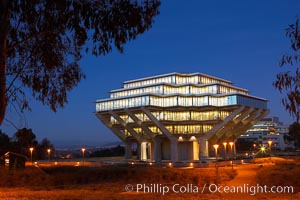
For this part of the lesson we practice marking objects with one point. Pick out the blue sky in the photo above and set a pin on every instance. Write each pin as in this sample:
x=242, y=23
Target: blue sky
x=240, y=41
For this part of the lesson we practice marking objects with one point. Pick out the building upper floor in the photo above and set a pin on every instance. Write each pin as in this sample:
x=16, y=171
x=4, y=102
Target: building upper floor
x=179, y=89
x=176, y=83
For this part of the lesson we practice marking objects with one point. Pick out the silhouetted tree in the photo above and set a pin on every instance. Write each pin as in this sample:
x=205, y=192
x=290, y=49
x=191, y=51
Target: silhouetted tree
x=42, y=42
x=288, y=83
x=4, y=142
x=24, y=139
x=42, y=147
x=294, y=131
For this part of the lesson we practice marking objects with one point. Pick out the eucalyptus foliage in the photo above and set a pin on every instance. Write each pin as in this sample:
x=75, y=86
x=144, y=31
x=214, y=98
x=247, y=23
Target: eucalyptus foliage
x=42, y=42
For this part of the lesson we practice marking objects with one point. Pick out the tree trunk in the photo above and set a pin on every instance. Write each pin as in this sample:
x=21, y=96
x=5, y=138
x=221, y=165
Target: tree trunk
x=3, y=100
x=4, y=24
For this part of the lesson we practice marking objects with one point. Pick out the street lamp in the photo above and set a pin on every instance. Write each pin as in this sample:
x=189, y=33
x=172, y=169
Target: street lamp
x=49, y=151
x=31, y=150
x=231, y=152
x=225, y=152
x=270, y=145
x=216, y=146
x=253, y=150
x=83, y=150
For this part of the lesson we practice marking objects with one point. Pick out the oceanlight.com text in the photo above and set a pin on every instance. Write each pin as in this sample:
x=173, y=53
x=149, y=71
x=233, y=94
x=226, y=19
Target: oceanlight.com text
x=206, y=188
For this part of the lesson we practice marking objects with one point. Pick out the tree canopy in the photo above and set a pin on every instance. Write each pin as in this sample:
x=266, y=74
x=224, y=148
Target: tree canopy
x=288, y=83
x=294, y=131
x=42, y=41
x=4, y=142
x=24, y=139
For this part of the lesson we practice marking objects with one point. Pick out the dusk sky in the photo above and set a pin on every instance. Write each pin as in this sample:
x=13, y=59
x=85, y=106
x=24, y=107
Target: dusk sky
x=239, y=41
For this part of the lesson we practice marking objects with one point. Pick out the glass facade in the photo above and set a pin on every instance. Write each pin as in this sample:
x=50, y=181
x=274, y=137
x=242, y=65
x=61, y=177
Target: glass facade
x=176, y=79
x=174, y=89
x=187, y=90
x=175, y=129
x=178, y=98
x=185, y=101
x=177, y=116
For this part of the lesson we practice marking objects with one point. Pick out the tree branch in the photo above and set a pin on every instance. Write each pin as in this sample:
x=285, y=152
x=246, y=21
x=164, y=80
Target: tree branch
x=11, y=123
x=25, y=40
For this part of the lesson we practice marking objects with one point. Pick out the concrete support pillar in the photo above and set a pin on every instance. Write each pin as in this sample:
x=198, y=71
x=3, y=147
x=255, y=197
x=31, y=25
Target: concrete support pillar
x=138, y=151
x=174, y=151
x=195, y=150
x=225, y=150
x=151, y=151
x=128, y=150
x=144, y=151
x=234, y=149
x=203, y=149
x=157, y=150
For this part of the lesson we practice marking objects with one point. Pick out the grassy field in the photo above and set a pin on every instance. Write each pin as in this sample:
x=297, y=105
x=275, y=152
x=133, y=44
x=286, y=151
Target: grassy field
x=109, y=182
x=282, y=172
x=68, y=182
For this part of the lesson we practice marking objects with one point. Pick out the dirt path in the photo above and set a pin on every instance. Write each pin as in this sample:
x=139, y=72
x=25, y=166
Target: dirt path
x=246, y=177
x=246, y=174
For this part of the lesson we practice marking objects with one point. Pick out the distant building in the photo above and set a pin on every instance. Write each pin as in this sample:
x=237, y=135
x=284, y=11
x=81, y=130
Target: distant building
x=269, y=129
x=179, y=116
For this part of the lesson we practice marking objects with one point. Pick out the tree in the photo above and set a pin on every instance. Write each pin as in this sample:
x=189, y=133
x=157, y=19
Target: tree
x=4, y=142
x=24, y=139
x=42, y=148
x=42, y=41
x=294, y=131
x=288, y=83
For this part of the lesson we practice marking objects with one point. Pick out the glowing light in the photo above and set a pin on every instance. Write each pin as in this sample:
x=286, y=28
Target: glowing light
x=83, y=150
x=225, y=151
x=270, y=143
x=49, y=151
x=216, y=146
x=31, y=150
x=193, y=138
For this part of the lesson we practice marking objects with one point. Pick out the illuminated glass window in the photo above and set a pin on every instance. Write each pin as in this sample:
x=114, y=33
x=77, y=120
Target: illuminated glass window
x=185, y=101
x=139, y=131
x=170, y=101
x=200, y=101
x=155, y=130
x=191, y=129
x=142, y=117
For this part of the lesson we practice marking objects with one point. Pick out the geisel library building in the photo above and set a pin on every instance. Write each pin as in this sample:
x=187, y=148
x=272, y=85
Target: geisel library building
x=179, y=116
